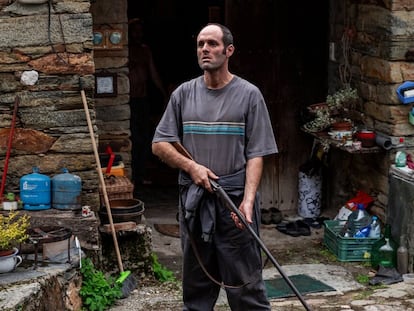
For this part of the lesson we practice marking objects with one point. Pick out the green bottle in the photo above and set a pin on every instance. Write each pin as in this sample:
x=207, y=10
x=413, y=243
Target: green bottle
x=384, y=251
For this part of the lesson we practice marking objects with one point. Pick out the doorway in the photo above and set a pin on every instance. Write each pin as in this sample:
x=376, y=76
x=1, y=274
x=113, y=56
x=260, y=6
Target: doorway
x=281, y=48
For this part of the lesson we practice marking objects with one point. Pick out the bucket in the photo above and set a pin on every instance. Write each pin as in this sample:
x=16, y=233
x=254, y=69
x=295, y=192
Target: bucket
x=35, y=191
x=310, y=194
x=66, y=191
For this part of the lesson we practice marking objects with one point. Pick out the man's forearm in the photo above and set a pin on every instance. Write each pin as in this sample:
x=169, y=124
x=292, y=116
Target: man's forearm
x=254, y=169
x=169, y=154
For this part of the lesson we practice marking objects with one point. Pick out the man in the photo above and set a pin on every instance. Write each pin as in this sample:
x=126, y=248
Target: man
x=222, y=121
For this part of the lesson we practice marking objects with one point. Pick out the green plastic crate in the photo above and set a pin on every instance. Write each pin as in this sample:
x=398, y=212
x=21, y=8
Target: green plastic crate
x=346, y=249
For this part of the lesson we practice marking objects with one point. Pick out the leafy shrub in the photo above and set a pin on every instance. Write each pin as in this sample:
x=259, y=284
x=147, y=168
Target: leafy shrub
x=161, y=273
x=98, y=291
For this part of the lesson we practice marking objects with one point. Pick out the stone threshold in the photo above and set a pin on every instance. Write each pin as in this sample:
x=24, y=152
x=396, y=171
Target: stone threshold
x=50, y=284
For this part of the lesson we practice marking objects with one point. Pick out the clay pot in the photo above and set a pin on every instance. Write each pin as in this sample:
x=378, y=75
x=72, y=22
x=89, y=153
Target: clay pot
x=316, y=107
x=341, y=126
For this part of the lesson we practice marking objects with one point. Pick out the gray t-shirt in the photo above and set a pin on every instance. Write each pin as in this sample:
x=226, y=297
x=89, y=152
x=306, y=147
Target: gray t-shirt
x=221, y=128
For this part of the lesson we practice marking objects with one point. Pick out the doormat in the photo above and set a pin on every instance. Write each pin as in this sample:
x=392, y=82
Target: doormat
x=172, y=230
x=278, y=288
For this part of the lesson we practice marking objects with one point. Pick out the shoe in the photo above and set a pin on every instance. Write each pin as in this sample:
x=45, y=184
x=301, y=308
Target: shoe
x=303, y=228
x=281, y=227
x=294, y=228
x=312, y=222
x=275, y=215
x=290, y=228
x=265, y=217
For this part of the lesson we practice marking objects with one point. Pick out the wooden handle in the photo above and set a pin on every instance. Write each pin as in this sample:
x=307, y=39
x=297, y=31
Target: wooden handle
x=102, y=181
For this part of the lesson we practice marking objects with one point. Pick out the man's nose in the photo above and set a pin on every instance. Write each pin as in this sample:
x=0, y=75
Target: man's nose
x=204, y=47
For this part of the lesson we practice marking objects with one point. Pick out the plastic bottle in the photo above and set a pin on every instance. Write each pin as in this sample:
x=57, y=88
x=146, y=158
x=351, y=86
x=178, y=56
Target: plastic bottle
x=363, y=232
x=384, y=251
x=400, y=159
x=402, y=257
x=375, y=231
x=358, y=219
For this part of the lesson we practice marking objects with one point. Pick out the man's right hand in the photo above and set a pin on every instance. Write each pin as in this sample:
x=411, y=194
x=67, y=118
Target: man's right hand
x=201, y=176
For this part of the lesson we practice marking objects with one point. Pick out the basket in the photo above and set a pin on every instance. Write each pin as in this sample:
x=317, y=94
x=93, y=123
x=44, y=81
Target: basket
x=346, y=249
x=117, y=187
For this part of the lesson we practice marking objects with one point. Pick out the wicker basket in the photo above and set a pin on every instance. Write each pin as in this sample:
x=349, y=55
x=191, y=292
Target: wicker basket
x=117, y=187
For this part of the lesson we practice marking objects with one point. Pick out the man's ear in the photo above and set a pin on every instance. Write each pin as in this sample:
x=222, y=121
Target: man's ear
x=230, y=50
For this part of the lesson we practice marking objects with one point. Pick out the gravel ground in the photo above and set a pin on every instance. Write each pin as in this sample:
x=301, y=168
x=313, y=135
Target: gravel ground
x=156, y=296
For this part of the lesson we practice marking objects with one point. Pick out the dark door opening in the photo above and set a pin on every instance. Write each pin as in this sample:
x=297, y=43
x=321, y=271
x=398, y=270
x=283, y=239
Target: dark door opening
x=170, y=33
x=281, y=48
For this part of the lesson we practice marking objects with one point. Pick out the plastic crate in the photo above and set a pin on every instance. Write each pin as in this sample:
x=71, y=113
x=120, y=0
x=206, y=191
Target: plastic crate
x=346, y=249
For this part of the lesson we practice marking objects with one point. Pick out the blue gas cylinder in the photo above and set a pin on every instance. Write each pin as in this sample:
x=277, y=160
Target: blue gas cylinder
x=66, y=191
x=35, y=191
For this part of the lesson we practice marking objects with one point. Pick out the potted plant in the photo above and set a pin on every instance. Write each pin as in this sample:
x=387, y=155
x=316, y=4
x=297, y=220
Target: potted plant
x=10, y=202
x=13, y=231
x=336, y=111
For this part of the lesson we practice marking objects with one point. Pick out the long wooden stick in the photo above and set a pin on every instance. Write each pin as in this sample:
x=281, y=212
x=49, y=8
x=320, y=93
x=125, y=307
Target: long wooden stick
x=101, y=179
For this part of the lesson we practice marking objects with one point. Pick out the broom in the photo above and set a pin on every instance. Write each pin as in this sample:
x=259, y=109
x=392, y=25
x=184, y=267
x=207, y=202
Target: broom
x=126, y=279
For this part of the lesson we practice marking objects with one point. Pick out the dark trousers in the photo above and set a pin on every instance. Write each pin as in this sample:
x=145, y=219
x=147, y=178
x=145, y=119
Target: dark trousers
x=233, y=257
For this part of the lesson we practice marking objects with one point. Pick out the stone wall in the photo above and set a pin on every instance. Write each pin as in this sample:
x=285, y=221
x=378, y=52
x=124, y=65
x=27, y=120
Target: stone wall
x=55, y=42
x=380, y=35
x=113, y=113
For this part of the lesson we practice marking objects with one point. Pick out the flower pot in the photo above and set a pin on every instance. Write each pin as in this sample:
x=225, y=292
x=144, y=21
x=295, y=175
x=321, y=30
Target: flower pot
x=32, y=1
x=9, y=205
x=10, y=262
x=317, y=107
x=341, y=126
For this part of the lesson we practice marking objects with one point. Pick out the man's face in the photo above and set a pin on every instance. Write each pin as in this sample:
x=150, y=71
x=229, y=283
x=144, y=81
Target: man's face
x=211, y=52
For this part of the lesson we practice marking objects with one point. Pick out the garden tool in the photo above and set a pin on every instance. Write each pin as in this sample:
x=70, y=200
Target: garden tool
x=126, y=279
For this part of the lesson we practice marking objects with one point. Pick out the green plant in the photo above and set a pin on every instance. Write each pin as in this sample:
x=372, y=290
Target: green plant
x=342, y=100
x=13, y=229
x=328, y=255
x=98, y=291
x=161, y=273
x=363, y=279
x=10, y=196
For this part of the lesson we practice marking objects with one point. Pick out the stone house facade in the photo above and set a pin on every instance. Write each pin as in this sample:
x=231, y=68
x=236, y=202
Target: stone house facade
x=56, y=40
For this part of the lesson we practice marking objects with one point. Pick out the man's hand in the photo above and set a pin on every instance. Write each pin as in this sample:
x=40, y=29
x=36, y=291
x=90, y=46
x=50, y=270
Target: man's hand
x=247, y=211
x=201, y=176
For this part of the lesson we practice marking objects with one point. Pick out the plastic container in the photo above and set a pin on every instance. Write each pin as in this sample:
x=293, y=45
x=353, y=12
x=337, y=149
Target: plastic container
x=363, y=232
x=310, y=195
x=35, y=191
x=384, y=251
x=66, y=191
x=346, y=249
x=358, y=219
x=400, y=159
x=375, y=231
x=408, y=278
